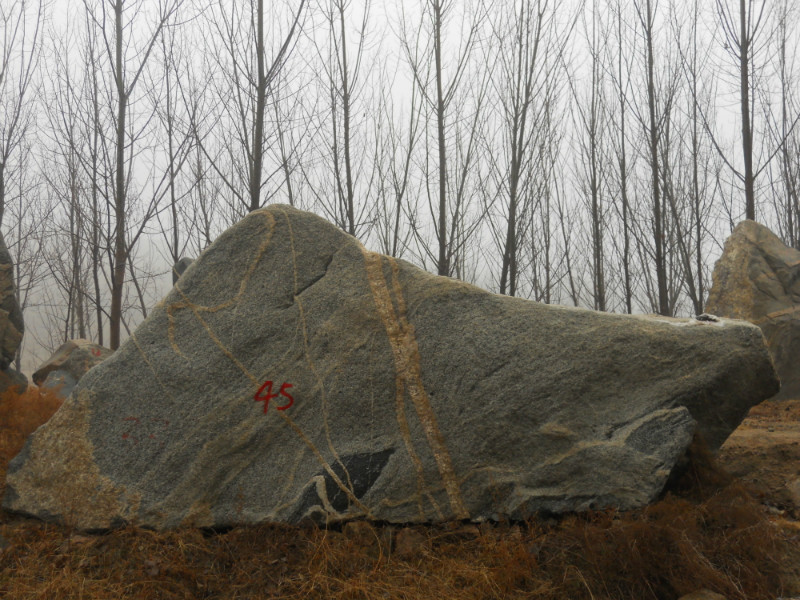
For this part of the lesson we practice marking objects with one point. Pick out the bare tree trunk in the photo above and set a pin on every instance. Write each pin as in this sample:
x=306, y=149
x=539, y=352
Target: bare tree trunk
x=348, y=168
x=699, y=300
x=747, y=128
x=739, y=36
x=257, y=143
x=120, y=256
x=623, y=165
x=124, y=83
x=594, y=175
x=20, y=50
x=443, y=264
x=647, y=21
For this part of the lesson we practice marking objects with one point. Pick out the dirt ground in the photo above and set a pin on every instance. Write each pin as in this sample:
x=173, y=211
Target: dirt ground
x=764, y=452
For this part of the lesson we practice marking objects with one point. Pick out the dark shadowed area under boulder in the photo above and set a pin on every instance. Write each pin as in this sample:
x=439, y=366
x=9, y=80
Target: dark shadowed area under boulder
x=292, y=375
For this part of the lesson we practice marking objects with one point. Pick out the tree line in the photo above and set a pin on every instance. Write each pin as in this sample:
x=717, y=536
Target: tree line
x=593, y=153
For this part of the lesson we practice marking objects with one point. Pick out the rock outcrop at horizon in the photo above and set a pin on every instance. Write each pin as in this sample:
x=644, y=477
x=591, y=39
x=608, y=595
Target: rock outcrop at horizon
x=12, y=326
x=291, y=375
x=757, y=279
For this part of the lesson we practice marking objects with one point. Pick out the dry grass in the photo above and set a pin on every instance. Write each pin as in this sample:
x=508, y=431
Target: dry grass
x=708, y=533
x=20, y=415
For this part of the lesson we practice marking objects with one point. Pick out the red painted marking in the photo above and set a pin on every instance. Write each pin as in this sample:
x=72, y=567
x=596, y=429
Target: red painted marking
x=289, y=396
x=96, y=351
x=126, y=435
x=267, y=385
x=135, y=419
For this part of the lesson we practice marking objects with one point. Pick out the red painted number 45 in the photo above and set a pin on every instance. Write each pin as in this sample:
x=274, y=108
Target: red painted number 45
x=265, y=398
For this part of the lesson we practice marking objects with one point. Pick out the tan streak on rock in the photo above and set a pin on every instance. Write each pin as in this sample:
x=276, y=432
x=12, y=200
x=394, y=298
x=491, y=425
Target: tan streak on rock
x=61, y=477
x=186, y=303
x=407, y=366
x=196, y=310
x=777, y=314
x=405, y=432
x=286, y=418
x=307, y=354
x=325, y=464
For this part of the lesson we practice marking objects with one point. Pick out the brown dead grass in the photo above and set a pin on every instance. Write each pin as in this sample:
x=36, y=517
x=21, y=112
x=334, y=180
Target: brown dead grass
x=709, y=532
x=20, y=415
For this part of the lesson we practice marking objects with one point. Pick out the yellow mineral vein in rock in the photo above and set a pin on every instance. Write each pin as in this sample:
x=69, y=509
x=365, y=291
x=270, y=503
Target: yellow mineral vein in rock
x=197, y=310
x=307, y=354
x=407, y=367
x=186, y=303
x=62, y=478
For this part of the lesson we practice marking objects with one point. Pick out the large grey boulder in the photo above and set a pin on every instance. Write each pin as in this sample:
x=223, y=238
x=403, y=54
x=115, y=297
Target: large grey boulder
x=757, y=278
x=292, y=375
x=67, y=365
x=11, y=324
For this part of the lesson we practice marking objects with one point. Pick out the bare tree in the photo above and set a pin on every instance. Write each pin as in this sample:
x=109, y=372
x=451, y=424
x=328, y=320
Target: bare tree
x=248, y=65
x=345, y=78
x=741, y=33
x=783, y=133
x=528, y=42
x=621, y=74
x=652, y=123
x=128, y=51
x=399, y=142
x=22, y=22
x=694, y=155
x=590, y=162
x=424, y=48
x=441, y=89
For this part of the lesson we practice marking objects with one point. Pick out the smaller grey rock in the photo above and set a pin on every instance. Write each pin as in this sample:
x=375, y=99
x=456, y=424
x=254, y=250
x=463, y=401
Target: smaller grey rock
x=179, y=267
x=11, y=378
x=74, y=357
x=707, y=318
x=60, y=382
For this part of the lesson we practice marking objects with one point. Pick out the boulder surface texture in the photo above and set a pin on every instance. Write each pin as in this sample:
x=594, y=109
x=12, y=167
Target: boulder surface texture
x=69, y=364
x=757, y=278
x=291, y=375
x=11, y=324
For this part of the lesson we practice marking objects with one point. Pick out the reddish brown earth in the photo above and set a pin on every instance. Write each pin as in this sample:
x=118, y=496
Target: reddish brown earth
x=764, y=452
